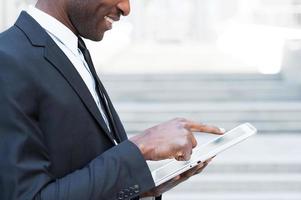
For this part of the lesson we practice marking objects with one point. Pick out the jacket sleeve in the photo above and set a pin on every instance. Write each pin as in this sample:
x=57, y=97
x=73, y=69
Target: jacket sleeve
x=119, y=173
x=113, y=175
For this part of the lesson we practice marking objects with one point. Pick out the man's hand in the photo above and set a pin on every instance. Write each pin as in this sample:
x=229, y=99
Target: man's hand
x=172, y=139
x=157, y=191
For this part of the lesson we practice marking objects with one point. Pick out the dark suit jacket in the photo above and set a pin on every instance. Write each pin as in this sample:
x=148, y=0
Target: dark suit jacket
x=53, y=141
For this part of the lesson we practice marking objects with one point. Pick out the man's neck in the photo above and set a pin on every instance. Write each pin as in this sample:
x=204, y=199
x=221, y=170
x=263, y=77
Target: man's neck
x=57, y=12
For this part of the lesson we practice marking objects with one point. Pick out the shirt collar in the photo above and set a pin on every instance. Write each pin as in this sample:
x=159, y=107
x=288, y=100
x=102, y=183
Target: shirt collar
x=55, y=28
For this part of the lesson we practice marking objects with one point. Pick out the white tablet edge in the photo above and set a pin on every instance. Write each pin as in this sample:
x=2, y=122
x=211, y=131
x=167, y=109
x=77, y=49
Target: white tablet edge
x=193, y=163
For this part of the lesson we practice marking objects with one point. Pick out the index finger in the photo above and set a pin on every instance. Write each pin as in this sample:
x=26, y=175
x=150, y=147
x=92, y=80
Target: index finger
x=198, y=127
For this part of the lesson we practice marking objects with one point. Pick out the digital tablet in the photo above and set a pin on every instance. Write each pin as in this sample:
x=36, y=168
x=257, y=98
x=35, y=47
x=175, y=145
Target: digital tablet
x=203, y=152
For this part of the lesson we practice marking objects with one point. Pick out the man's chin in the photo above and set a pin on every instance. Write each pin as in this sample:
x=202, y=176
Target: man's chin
x=94, y=37
x=98, y=37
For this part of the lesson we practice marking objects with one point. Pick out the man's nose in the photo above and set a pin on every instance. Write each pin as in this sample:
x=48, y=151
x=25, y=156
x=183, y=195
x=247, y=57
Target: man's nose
x=124, y=7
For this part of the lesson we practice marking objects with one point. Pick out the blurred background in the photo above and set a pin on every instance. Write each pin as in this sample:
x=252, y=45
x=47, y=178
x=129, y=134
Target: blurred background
x=222, y=62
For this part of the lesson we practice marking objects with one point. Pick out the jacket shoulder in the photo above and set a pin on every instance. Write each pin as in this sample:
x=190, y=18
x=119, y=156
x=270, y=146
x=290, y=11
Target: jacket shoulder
x=13, y=41
x=16, y=54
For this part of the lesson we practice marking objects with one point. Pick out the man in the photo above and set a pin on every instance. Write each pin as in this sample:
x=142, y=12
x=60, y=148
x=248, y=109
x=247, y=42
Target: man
x=60, y=137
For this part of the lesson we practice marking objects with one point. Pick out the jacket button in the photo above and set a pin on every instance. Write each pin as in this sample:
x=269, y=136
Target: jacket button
x=120, y=195
x=126, y=191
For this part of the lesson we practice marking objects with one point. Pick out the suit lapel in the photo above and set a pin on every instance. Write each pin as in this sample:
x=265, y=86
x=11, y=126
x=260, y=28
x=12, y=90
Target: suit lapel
x=58, y=59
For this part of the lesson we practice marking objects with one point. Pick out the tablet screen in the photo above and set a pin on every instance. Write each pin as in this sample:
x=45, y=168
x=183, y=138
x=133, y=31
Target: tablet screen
x=228, y=139
x=203, y=152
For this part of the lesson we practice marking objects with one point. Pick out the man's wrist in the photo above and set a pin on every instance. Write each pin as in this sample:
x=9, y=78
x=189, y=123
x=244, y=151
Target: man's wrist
x=138, y=141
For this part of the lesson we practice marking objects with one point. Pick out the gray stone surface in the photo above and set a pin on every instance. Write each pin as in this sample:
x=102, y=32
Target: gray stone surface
x=264, y=167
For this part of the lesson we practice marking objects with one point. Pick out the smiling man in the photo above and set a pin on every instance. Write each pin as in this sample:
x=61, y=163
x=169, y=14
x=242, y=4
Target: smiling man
x=60, y=136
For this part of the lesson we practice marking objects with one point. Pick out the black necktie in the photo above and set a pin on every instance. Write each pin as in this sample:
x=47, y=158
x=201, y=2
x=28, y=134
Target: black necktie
x=101, y=95
x=87, y=56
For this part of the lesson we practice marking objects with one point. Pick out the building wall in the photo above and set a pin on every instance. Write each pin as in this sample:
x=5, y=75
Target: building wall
x=9, y=11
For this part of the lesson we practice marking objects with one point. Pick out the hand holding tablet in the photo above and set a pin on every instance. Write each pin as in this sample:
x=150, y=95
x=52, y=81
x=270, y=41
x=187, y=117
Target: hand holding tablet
x=203, y=153
x=172, y=140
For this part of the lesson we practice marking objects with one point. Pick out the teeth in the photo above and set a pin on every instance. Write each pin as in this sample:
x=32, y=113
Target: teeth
x=109, y=19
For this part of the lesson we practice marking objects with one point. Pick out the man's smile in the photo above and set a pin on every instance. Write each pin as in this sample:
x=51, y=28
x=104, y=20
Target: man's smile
x=110, y=20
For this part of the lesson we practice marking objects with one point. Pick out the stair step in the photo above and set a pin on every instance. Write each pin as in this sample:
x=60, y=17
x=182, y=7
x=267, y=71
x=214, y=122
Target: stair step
x=233, y=196
x=138, y=107
x=191, y=86
x=263, y=127
x=221, y=168
x=249, y=168
x=189, y=77
x=278, y=116
x=242, y=182
x=198, y=97
x=151, y=86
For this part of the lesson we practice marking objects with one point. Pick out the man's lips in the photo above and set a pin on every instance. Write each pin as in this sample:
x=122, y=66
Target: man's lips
x=111, y=19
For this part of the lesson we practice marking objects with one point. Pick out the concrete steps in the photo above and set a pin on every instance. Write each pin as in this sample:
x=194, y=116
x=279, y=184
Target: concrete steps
x=242, y=182
x=189, y=77
x=234, y=196
x=268, y=117
x=262, y=167
x=265, y=167
x=198, y=88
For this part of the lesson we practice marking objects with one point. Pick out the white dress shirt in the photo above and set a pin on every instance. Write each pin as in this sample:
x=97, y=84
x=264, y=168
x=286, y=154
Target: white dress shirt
x=68, y=43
